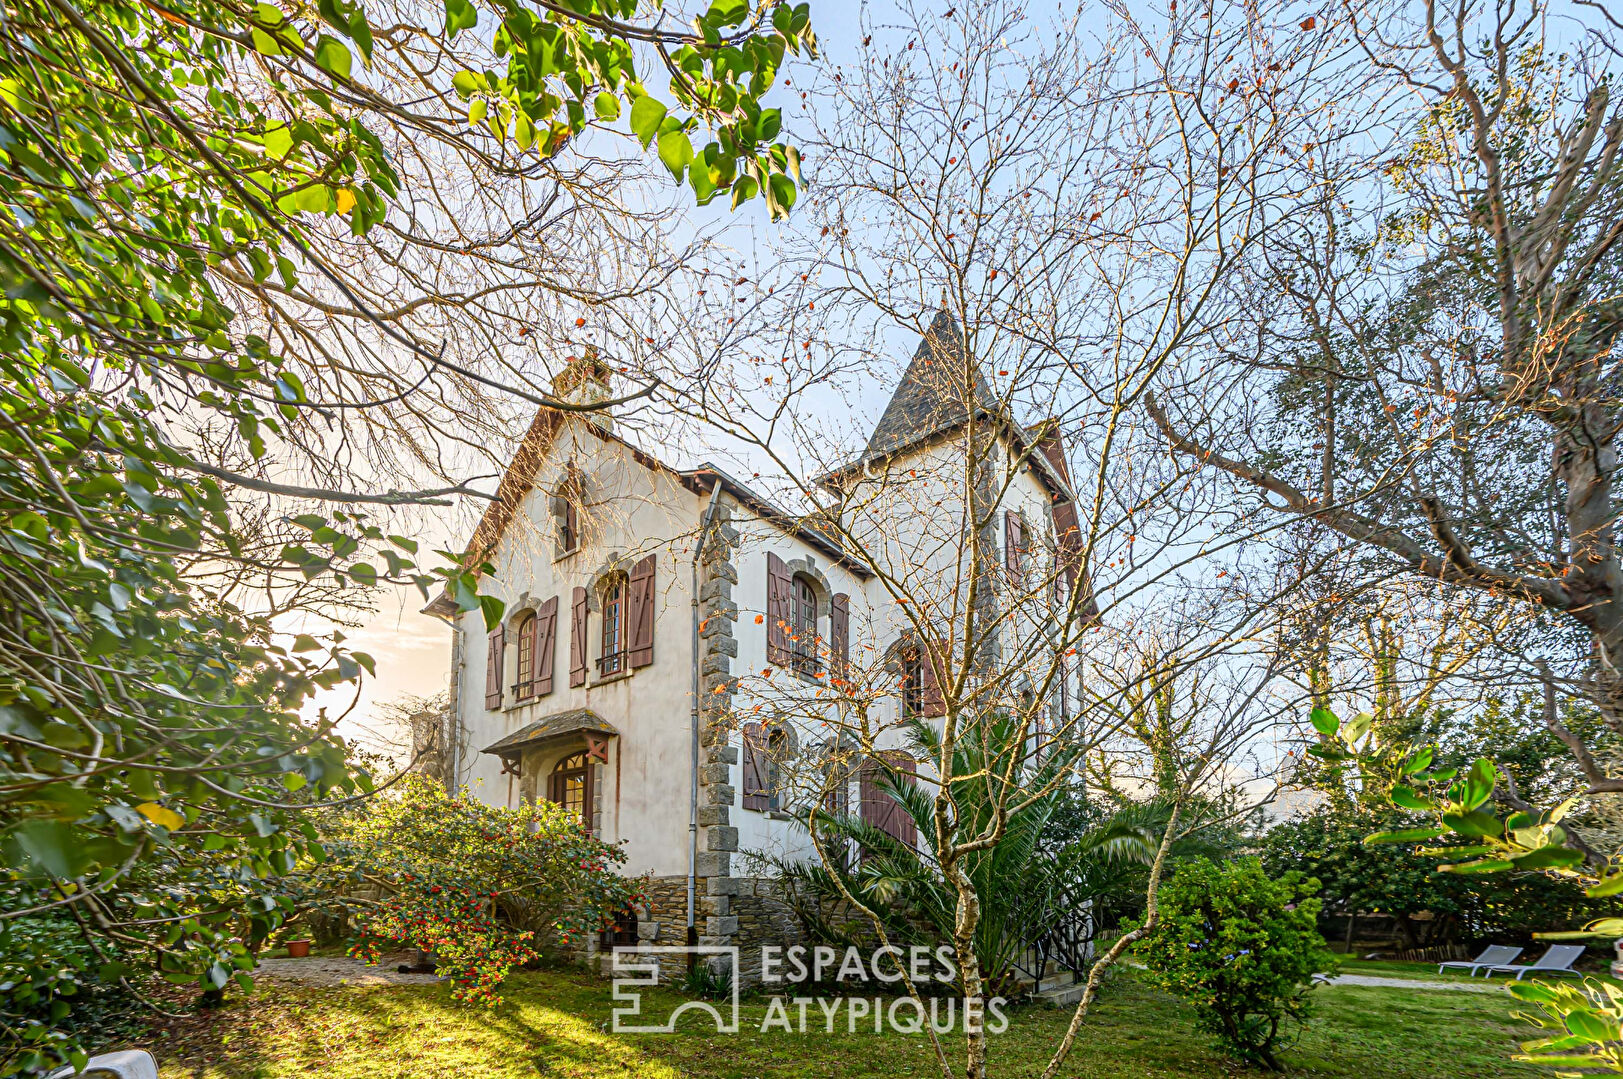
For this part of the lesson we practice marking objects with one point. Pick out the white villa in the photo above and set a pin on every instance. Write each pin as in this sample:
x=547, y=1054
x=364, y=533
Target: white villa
x=612, y=686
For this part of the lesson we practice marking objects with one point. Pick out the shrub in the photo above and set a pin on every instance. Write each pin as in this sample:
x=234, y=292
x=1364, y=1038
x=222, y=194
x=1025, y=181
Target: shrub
x=479, y=887
x=1242, y=948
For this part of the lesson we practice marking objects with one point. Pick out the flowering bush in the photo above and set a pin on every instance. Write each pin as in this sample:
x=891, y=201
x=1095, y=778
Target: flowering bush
x=1242, y=948
x=483, y=889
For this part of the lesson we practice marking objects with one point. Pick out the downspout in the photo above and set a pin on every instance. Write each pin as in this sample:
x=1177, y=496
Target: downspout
x=693, y=719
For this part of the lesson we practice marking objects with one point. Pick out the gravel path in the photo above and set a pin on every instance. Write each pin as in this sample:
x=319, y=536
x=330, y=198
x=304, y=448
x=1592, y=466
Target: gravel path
x=339, y=970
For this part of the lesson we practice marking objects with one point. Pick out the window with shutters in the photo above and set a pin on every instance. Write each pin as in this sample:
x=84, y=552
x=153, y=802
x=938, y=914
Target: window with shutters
x=917, y=688
x=570, y=786
x=765, y=766
x=611, y=656
x=524, y=687
x=495, y=645
x=1016, y=546
x=566, y=511
x=803, y=626
x=912, y=663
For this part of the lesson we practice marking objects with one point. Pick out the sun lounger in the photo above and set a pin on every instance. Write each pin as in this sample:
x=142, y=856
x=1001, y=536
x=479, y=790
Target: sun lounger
x=1492, y=955
x=1558, y=960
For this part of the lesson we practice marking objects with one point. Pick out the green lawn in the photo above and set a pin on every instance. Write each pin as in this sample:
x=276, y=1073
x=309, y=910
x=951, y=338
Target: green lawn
x=555, y=1024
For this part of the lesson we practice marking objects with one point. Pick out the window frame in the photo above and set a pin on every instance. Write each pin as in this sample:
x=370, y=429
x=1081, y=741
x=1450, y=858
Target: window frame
x=803, y=604
x=557, y=785
x=524, y=662
x=614, y=612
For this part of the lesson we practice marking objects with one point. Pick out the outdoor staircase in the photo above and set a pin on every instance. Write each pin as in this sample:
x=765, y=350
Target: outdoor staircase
x=1057, y=988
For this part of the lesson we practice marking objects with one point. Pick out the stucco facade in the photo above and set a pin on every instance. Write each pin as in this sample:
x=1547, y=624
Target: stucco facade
x=584, y=513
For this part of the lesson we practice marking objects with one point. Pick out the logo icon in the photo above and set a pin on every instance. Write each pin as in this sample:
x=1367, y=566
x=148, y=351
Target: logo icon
x=635, y=967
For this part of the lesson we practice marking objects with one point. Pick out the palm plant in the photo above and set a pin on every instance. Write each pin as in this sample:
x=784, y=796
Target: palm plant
x=1027, y=884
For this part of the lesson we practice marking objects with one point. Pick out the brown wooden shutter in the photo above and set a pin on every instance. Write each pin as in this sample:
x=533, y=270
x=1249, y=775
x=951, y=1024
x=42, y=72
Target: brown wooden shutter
x=931, y=701
x=839, y=633
x=778, y=585
x=756, y=796
x=1014, y=546
x=903, y=827
x=879, y=809
x=546, y=637
x=577, y=639
x=642, y=613
x=495, y=643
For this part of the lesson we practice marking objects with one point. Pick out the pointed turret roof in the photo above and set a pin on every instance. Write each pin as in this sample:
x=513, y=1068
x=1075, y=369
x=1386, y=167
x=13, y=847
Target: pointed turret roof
x=940, y=390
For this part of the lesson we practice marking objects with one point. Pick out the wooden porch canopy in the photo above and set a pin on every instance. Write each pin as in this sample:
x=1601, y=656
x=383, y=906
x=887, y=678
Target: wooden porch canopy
x=579, y=724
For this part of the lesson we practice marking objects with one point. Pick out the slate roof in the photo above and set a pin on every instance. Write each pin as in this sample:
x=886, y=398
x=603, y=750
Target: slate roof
x=934, y=394
x=549, y=727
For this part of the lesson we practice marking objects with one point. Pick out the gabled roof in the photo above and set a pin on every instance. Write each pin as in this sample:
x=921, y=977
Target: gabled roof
x=940, y=390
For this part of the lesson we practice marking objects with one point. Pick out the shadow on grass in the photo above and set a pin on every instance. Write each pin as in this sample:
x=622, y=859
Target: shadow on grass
x=556, y=1024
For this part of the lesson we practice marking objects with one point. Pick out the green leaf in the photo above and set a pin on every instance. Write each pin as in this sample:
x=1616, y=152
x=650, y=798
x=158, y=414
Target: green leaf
x=1324, y=721
x=724, y=13
x=1549, y=858
x=606, y=106
x=676, y=151
x=1475, y=822
x=476, y=111
x=1409, y=799
x=783, y=192
x=1485, y=865
x=1419, y=762
x=465, y=83
x=460, y=15
x=1611, y=885
x=1479, y=783
x=492, y=608
x=52, y=846
x=1358, y=726
x=646, y=115
x=1404, y=835
x=333, y=56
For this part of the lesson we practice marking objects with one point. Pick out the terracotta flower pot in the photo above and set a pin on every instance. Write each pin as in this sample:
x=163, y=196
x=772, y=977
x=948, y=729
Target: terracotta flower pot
x=298, y=949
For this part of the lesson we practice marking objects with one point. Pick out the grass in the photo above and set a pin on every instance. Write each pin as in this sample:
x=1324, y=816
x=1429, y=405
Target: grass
x=555, y=1025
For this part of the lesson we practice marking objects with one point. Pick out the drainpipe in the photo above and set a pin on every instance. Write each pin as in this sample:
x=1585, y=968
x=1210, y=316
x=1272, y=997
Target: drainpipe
x=693, y=719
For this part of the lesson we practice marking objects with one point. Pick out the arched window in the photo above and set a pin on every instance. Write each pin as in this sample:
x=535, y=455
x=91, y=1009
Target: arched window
x=612, y=653
x=571, y=786
x=524, y=688
x=803, y=625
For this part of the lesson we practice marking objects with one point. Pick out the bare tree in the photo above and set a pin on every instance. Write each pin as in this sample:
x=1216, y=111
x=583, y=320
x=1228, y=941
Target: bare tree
x=1059, y=218
x=1432, y=364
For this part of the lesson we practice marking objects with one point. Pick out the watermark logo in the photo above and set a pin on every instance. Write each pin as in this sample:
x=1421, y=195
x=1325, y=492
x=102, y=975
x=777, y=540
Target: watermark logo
x=782, y=969
x=635, y=968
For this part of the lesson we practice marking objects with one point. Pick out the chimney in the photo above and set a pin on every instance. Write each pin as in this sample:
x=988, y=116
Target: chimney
x=585, y=381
